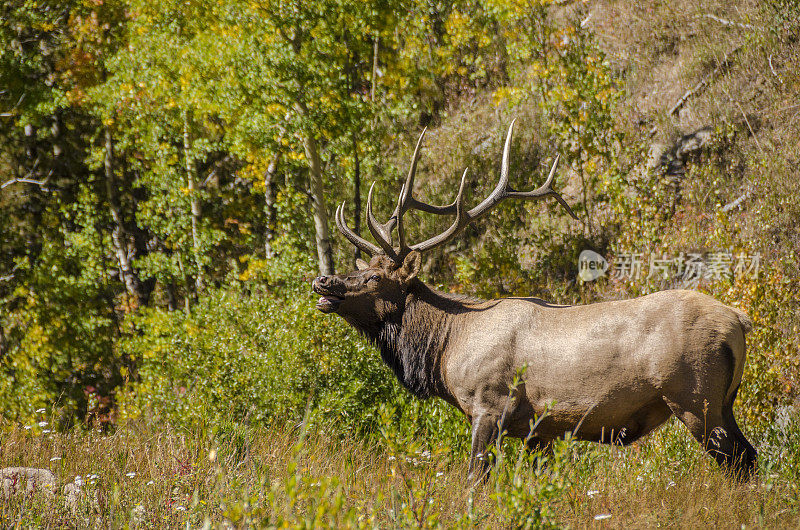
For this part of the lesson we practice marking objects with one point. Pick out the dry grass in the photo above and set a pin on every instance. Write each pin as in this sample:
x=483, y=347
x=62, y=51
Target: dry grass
x=259, y=476
x=264, y=475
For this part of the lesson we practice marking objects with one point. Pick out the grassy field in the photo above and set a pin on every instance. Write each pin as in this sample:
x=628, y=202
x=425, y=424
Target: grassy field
x=150, y=475
x=262, y=352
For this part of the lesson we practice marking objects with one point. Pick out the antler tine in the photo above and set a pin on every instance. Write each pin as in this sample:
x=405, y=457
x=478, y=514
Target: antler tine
x=408, y=186
x=401, y=233
x=544, y=190
x=406, y=201
x=501, y=191
x=378, y=231
x=351, y=236
x=462, y=219
x=405, y=191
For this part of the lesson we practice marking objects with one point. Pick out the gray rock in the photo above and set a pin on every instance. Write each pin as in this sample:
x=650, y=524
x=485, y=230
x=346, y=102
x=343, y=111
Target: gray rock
x=26, y=480
x=692, y=143
x=138, y=515
x=72, y=494
x=655, y=155
x=87, y=506
x=673, y=160
x=75, y=495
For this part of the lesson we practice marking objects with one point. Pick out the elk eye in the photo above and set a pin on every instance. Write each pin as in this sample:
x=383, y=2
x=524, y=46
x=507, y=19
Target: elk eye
x=374, y=278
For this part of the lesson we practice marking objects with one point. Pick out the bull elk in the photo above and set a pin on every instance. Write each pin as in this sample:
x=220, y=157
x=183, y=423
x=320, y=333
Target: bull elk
x=610, y=371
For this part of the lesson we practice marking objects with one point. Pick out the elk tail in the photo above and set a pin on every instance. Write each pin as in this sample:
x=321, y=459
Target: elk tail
x=744, y=320
x=737, y=349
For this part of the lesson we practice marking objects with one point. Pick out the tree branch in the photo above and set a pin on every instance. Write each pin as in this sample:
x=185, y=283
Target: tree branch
x=15, y=107
x=728, y=23
x=42, y=183
x=27, y=180
x=10, y=276
x=703, y=82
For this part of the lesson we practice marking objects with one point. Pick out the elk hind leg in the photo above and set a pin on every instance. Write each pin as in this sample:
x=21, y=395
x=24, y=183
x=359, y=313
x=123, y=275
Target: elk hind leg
x=717, y=432
x=746, y=454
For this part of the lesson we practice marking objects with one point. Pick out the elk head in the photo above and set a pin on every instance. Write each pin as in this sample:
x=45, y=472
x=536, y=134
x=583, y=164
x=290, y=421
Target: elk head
x=376, y=290
x=373, y=293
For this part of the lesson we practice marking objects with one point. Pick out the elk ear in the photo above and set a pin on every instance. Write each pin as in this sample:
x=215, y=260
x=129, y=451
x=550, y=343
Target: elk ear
x=361, y=264
x=410, y=267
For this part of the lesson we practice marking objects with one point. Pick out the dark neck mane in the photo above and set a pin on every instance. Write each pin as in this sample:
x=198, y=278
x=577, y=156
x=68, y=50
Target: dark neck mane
x=412, y=341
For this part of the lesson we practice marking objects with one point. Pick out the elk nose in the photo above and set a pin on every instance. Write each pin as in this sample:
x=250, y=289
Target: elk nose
x=323, y=281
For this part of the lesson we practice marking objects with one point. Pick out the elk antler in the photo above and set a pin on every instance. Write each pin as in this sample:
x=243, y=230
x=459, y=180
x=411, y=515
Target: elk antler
x=354, y=238
x=406, y=201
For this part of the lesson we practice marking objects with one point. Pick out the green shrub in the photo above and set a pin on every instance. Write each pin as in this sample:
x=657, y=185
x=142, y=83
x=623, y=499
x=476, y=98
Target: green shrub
x=258, y=357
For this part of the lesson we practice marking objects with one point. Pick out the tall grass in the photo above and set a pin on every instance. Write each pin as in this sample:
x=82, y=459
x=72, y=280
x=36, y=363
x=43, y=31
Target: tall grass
x=147, y=474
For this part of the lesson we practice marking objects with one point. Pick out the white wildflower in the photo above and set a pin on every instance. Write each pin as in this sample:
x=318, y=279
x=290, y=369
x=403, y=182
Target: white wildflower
x=28, y=427
x=78, y=481
x=46, y=431
x=138, y=514
x=601, y=516
x=55, y=459
x=592, y=493
x=42, y=424
x=440, y=473
x=150, y=483
x=671, y=483
x=180, y=508
x=131, y=474
x=39, y=411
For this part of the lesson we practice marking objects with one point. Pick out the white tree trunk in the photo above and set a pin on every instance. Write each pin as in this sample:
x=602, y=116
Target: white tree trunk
x=320, y=213
x=119, y=237
x=191, y=177
x=269, y=203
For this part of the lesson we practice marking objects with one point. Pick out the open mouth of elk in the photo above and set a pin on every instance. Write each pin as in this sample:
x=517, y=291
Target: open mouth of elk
x=327, y=303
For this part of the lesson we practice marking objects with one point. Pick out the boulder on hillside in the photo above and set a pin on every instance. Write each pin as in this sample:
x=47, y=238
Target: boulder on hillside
x=26, y=480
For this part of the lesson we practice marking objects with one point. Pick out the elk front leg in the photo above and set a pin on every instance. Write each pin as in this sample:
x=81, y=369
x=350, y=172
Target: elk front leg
x=484, y=432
